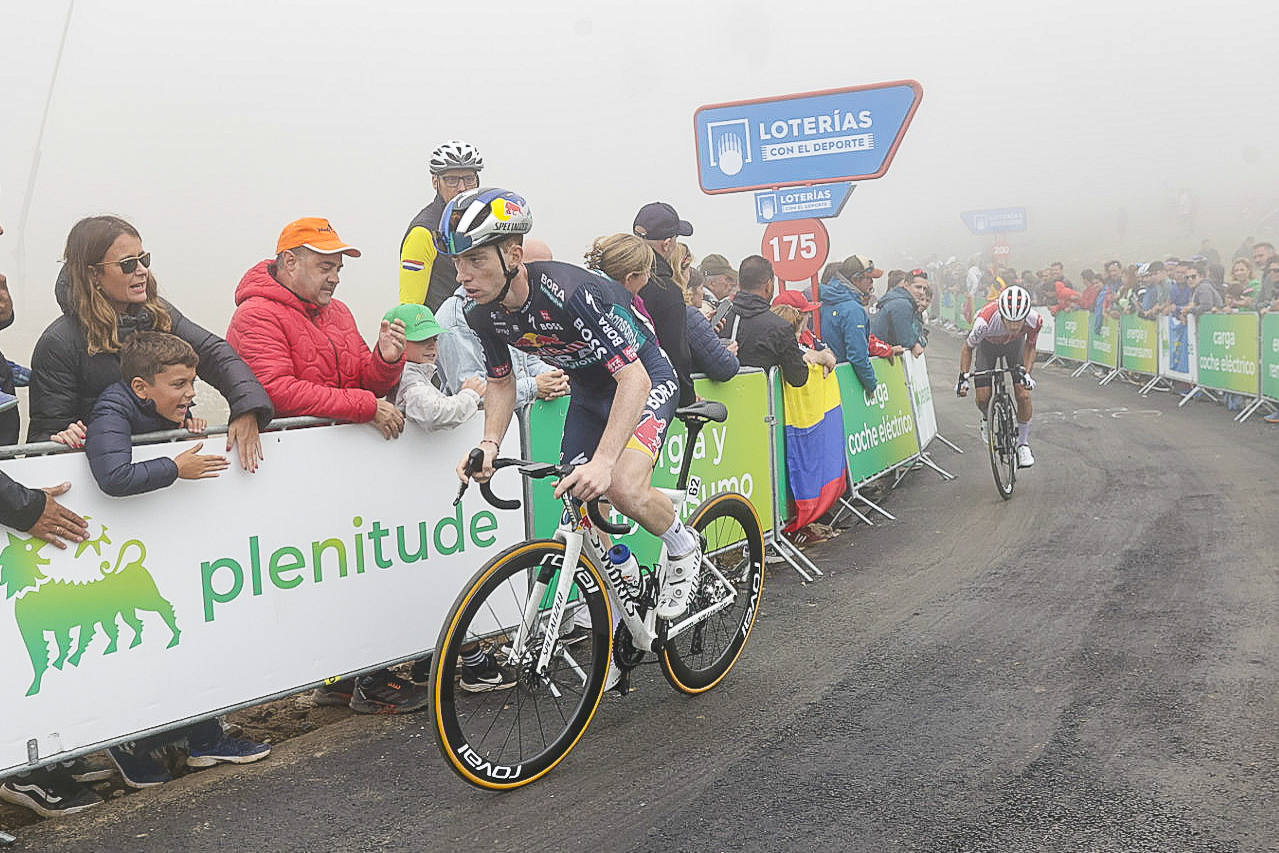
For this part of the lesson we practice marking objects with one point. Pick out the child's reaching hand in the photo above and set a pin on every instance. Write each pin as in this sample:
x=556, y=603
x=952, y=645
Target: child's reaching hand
x=196, y=426
x=193, y=466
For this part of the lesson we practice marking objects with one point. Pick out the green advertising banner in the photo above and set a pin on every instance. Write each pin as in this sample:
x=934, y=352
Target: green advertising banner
x=1228, y=352
x=1270, y=356
x=1072, y=335
x=1138, y=344
x=879, y=427
x=1103, y=342
x=949, y=309
x=960, y=320
x=728, y=457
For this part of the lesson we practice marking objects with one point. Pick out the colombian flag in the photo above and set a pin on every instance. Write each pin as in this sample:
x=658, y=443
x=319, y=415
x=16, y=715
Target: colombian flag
x=815, y=463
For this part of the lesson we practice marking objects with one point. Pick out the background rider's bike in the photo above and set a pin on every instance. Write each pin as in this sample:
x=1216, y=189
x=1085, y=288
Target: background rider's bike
x=1001, y=428
x=558, y=631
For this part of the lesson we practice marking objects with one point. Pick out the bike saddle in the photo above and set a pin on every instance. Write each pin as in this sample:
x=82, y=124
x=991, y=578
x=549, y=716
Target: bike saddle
x=703, y=411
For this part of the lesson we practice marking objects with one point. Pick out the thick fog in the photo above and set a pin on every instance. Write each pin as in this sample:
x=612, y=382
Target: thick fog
x=210, y=125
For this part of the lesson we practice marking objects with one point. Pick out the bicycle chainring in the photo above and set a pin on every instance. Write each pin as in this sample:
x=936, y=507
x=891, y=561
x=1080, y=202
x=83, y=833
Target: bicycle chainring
x=625, y=654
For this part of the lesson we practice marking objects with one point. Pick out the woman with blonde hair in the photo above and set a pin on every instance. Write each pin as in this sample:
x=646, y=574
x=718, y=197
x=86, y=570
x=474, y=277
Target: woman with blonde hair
x=107, y=292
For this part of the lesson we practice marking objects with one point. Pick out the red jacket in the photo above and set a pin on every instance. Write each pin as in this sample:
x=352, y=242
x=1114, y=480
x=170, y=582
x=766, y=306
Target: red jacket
x=1067, y=297
x=310, y=359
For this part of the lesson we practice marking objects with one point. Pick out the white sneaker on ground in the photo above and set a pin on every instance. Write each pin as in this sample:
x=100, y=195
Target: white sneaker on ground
x=985, y=432
x=682, y=574
x=1025, y=459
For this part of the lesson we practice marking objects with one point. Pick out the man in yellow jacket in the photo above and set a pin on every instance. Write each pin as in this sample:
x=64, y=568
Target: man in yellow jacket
x=427, y=277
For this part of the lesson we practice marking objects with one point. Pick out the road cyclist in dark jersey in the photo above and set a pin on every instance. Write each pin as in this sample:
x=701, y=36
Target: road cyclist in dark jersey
x=1006, y=327
x=623, y=388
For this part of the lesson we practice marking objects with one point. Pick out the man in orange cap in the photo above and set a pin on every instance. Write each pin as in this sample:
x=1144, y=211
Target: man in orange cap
x=303, y=344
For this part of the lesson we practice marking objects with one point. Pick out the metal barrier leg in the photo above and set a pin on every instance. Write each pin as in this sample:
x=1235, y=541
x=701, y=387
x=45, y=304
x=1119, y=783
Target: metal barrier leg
x=1109, y=377
x=1156, y=383
x=876, y=507
x=793, y=556
x=944, y=440
x=1080, y=371
x=1253, y=407
x=848, y=507
x=928, y=460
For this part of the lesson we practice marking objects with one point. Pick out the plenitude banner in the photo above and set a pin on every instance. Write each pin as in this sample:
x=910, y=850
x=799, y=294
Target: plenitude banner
x=1071, y=338
x=1228, y=357
x=1103, y=340
x=1270, y=356
x=1177, y=349
x=1046, y=342
x=921, y=394
x=341, y=553
x=1139, y=345
x=879, y=426
x=728, y=457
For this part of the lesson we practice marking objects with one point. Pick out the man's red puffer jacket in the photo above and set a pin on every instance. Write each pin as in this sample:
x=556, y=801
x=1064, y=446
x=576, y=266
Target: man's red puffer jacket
x=310, y=359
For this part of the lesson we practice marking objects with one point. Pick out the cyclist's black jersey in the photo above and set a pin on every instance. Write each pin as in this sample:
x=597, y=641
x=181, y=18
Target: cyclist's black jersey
x=573, y=319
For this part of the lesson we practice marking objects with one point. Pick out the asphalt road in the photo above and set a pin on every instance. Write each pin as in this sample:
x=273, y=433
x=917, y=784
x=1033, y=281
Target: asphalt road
x=1089, y=667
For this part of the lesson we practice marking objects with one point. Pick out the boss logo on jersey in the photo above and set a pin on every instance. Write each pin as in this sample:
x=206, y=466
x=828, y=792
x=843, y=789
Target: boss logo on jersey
x=591, y=340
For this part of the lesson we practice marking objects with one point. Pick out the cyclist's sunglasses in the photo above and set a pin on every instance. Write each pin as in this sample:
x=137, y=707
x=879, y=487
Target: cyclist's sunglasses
x=129, y=265
x=451, y=244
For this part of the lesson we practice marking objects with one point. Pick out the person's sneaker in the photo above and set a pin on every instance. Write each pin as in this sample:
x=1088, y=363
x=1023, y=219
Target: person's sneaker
x=1272, y=418
x=985, y=432
x=229, y=750
x=1025, y=458
x=52, y=796
x=338, y=693
x=139, y=770
x=486, y=676
x=577, y=635
x=383, y=693
x=90, y=768
x=682, y=574
x=420, y=672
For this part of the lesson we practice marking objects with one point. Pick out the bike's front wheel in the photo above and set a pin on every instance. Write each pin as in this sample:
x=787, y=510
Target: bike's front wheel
x=732, y=566
x=1003, y=441
x=500, y=736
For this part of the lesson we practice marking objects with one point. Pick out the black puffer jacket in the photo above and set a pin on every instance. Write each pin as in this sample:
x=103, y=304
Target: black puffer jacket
x=764, y=339
x=66, y=380
x=665, y=303
x=20, y=507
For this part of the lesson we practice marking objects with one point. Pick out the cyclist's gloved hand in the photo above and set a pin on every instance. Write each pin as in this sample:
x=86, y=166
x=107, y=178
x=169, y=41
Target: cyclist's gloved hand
x=961, y=387
x=1027, y=381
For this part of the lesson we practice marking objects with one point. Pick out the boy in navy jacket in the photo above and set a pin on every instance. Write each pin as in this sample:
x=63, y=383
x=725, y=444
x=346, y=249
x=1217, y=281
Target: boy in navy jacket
x=154, y=394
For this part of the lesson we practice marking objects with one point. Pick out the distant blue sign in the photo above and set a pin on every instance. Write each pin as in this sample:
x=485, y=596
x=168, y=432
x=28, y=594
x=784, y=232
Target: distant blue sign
x=822, y=201
x=999, y=220
x=837, y=135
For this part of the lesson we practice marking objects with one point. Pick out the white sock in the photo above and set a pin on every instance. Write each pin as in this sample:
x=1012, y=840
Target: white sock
x=1023, y=432
x=679, y=539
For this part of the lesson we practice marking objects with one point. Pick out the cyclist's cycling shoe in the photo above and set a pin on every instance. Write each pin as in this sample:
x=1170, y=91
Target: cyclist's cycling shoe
x=682, y=574
x=1025, y=458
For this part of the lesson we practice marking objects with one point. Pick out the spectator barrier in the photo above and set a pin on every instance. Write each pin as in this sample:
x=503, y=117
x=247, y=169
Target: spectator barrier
x=1269, y=366
x=1071, y=339
x=1139, y=345
x=1103, y=345
x=1046, y=343
x=346, y=558
x=349, y=559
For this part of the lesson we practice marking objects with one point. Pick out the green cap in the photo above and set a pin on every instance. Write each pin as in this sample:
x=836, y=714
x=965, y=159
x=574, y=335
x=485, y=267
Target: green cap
x=419, y=322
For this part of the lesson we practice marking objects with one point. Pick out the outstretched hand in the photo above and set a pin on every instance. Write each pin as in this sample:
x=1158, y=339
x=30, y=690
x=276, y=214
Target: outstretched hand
x=390, y=340
x=57, y=523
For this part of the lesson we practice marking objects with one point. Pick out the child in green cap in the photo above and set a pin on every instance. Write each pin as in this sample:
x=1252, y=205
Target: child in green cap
x=419, y=395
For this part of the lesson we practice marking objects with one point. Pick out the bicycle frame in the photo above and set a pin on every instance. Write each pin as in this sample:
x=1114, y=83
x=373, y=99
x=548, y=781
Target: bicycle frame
x=581, y=538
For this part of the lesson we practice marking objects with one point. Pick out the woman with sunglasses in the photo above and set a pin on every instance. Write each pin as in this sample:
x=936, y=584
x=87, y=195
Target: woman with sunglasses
x=107, y=292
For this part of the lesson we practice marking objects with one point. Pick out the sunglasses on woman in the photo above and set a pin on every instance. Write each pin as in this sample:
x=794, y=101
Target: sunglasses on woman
x=129, y=265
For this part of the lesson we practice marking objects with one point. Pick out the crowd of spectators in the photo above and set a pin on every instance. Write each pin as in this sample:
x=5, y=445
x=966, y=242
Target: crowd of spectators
x=121, y=360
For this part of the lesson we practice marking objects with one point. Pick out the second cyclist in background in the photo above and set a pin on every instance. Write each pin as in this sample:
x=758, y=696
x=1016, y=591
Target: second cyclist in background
x=1007, y=328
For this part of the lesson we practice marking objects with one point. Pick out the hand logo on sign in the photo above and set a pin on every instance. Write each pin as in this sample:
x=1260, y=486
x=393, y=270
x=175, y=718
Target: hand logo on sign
x=730, y=154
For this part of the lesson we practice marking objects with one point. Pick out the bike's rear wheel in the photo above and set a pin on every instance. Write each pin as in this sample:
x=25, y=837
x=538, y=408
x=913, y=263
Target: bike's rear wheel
x=502, y=739
x=699, y=658
x=1003, y=440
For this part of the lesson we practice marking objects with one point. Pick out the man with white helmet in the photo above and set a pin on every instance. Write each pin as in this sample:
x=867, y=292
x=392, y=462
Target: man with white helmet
x=427, y=277
x=623, y=388
x=1006, y=328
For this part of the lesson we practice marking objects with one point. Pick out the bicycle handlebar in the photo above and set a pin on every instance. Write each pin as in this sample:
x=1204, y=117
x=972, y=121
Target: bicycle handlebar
x=537, y=471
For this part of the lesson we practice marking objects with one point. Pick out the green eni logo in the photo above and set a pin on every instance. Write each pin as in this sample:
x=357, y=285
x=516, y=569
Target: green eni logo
x=47, y=605
x=223, y=580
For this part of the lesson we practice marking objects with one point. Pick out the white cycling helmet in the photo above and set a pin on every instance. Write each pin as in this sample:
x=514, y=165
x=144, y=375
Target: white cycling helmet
x=1014, y=303
x=455, y=154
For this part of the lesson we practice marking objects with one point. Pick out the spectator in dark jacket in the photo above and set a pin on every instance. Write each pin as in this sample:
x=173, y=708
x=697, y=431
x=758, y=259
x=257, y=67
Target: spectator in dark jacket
x=659, y=225
x=107, y=292
x=764, y=339
x=154, y=395
x=711, y=355
x=896, y=321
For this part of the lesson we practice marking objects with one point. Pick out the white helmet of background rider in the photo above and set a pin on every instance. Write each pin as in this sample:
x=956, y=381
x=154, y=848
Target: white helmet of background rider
x=1014, y=303
x=455, y=154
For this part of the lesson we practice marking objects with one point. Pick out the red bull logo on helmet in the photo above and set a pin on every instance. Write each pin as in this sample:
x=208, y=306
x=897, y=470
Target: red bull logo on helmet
x=504, y=209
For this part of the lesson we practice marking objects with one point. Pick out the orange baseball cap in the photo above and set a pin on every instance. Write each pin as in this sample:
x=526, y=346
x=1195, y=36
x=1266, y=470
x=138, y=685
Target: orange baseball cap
x=316, y=234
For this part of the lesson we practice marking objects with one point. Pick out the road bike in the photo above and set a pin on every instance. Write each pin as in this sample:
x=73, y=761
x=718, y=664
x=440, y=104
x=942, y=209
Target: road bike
x=525, y=609
x=1001, y=429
